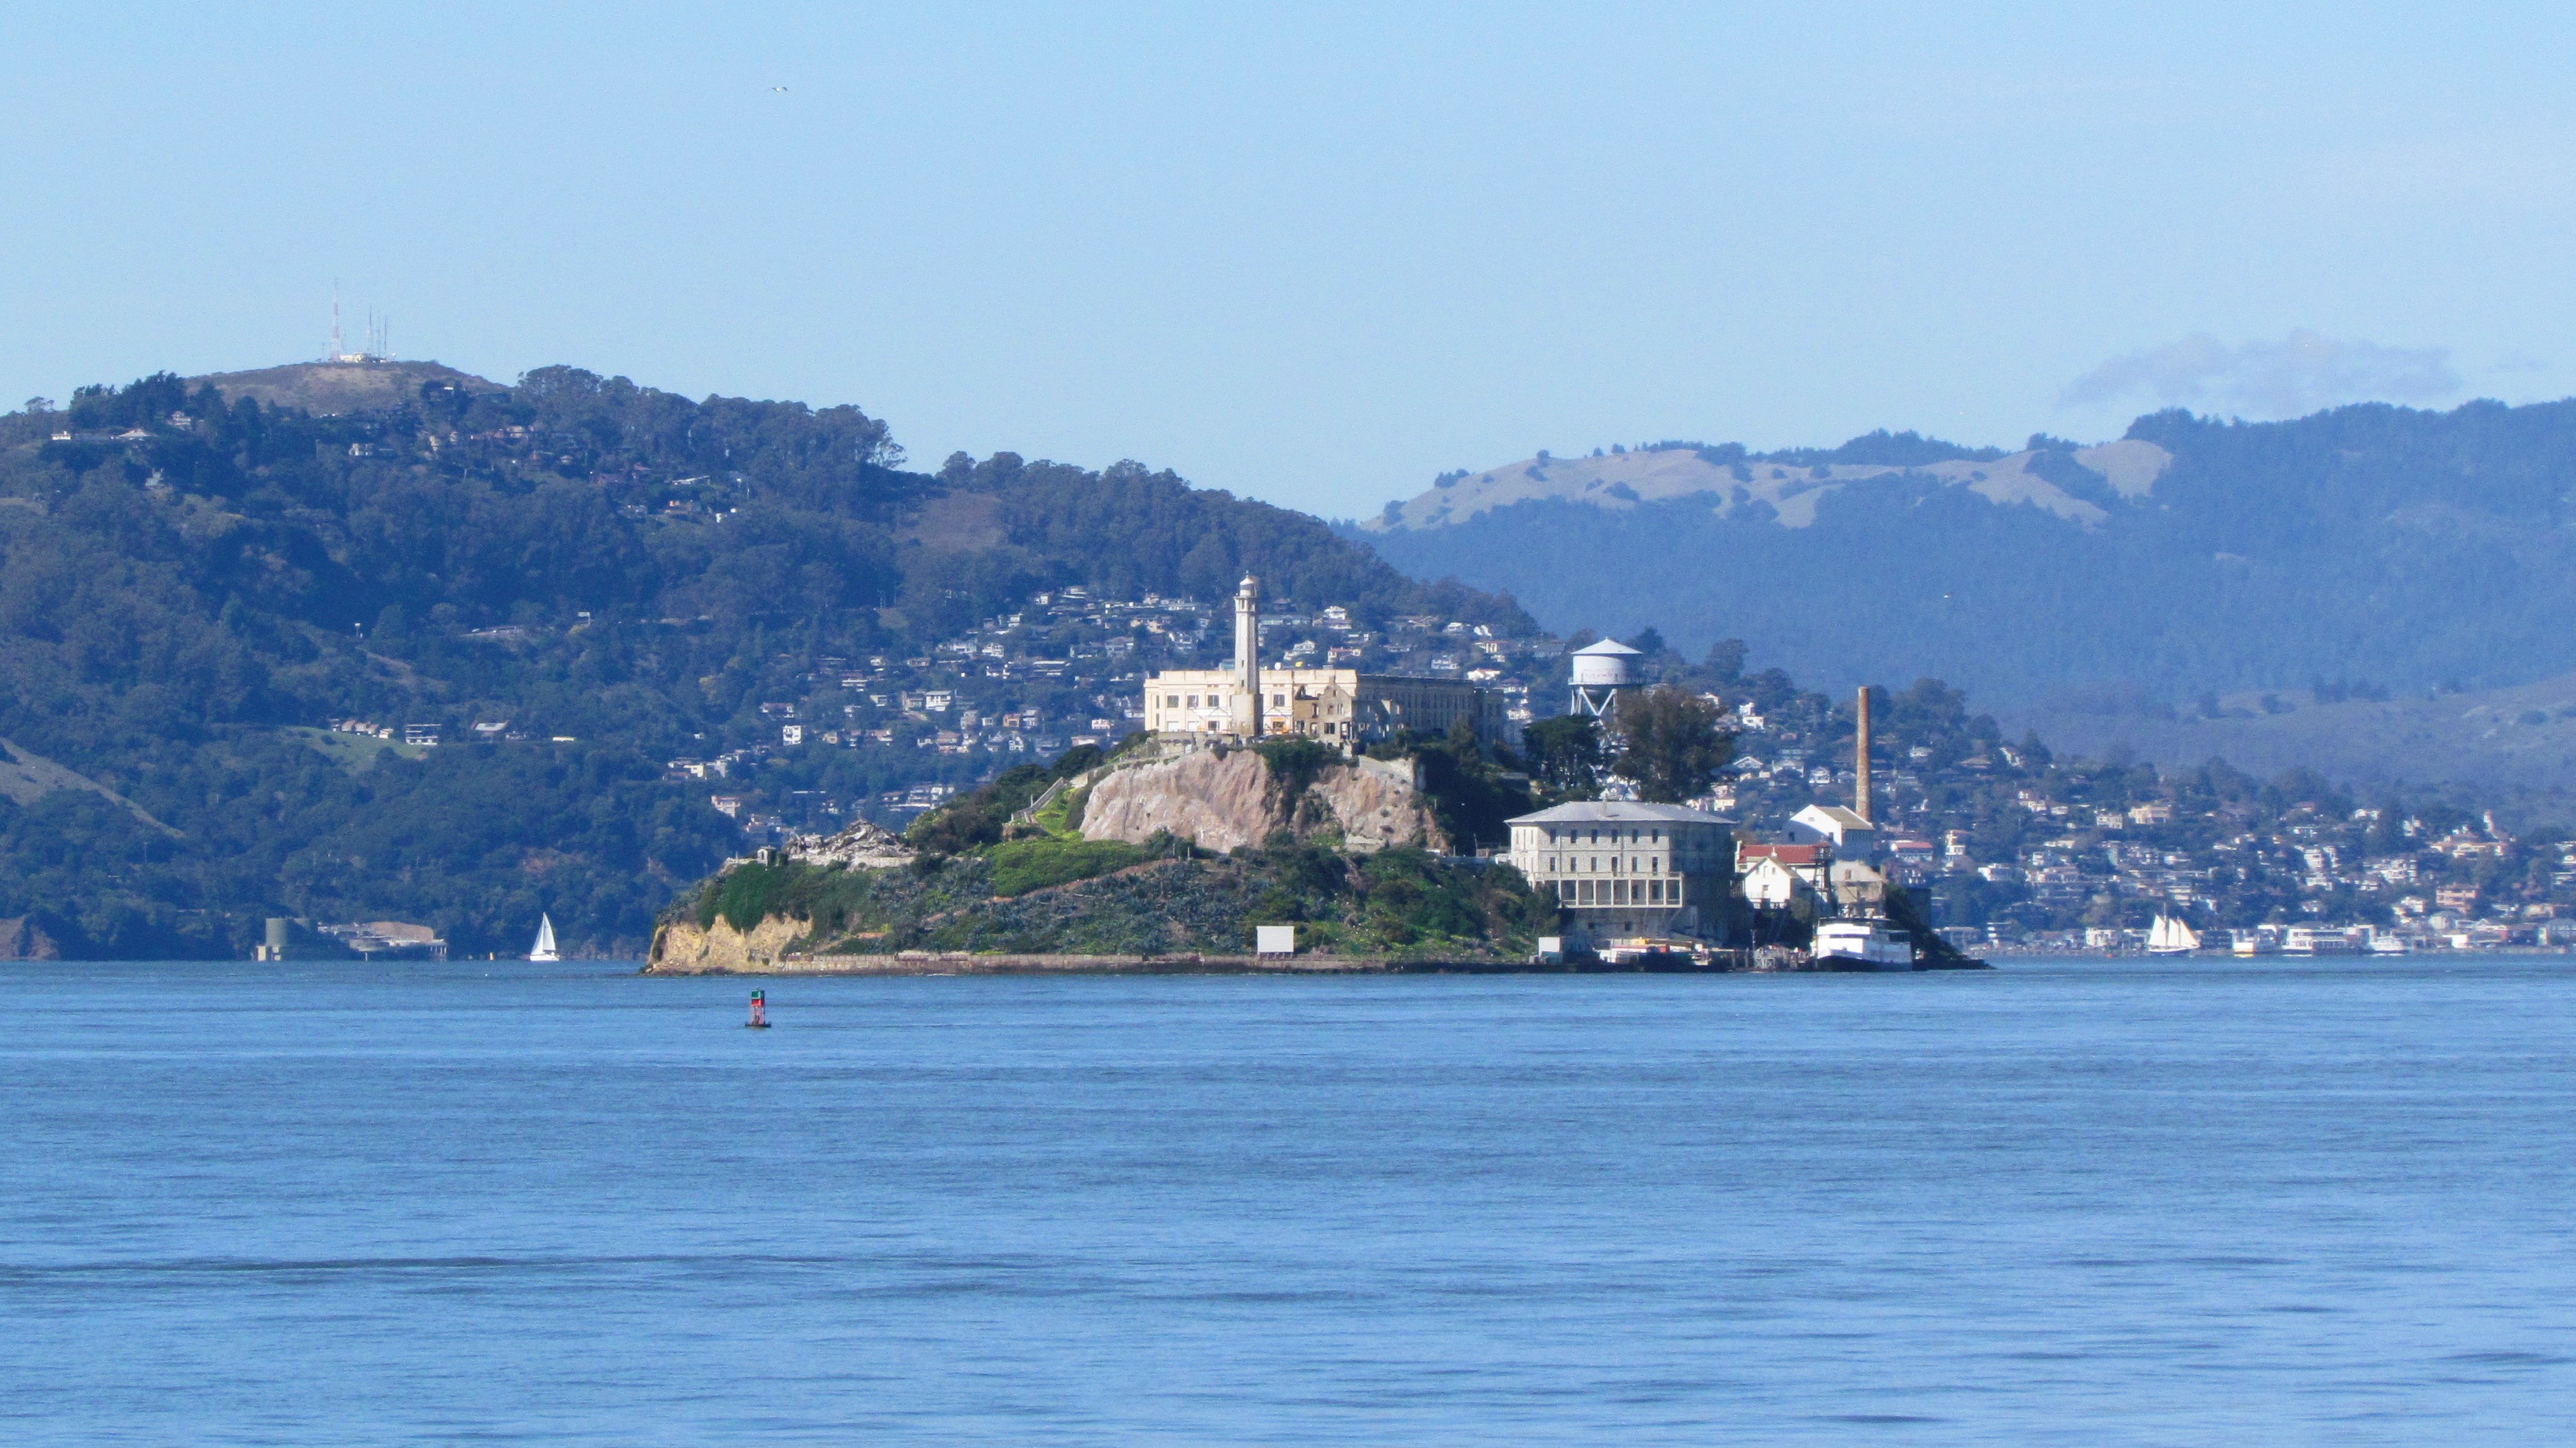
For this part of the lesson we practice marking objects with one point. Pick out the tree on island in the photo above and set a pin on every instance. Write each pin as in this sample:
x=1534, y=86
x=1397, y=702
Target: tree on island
x=1671, y=743
x=1565, y=755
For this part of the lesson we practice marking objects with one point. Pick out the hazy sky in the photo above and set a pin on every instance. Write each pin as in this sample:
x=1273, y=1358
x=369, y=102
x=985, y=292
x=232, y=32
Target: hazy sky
x=1315, y=254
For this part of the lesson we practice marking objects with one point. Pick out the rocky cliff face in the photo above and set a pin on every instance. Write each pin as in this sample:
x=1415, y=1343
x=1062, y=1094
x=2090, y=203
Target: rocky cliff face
x=683, y=947
x=1377, y=806
x=20, y=939
x=1228, y=800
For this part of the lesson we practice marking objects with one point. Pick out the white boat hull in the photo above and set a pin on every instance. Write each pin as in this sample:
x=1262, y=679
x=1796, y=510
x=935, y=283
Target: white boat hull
x=1861, y=945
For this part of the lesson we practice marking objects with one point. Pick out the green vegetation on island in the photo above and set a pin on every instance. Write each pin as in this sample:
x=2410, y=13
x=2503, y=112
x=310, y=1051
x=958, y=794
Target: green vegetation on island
x=1160, y=898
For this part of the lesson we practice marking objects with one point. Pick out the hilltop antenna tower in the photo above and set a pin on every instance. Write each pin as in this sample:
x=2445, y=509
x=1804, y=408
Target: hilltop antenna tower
x=335, y=321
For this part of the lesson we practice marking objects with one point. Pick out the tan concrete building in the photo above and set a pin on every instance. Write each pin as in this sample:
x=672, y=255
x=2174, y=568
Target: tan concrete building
x=1342, y=706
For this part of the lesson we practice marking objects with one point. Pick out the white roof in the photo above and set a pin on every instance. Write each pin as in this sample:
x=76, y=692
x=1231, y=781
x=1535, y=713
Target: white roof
x=1608, y=646
x=1619, y=811
x=1837, y=815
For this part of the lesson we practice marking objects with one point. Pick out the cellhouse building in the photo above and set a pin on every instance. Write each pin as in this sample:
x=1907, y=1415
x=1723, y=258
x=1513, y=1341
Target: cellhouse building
x=1625, y=871
x=1342, y=706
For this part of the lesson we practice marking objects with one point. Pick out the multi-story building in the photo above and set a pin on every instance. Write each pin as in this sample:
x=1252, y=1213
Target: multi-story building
x=1628, y=871
x=1342, y=706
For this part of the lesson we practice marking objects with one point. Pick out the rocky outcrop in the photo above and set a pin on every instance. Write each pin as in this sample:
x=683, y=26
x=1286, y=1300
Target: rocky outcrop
x=684, y=947
x=862, y=846
x=20, y=939
x=1376, y=805
x=1230, y=799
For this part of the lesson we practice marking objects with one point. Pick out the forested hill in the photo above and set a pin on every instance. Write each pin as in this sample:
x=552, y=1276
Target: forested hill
x=2370, y=546
x=603, y=575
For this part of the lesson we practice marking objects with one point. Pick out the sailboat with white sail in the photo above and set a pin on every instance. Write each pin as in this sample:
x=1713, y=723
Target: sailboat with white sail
x=545, y=947
x=2170, y=936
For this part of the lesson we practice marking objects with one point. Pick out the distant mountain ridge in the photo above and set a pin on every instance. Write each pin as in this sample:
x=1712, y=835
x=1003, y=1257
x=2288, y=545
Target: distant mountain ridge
x=1746, y=485
x=2412, y=549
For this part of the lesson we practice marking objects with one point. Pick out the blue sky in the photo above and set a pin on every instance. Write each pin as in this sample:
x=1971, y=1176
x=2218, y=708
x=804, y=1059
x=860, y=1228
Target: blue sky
x=1317, y=254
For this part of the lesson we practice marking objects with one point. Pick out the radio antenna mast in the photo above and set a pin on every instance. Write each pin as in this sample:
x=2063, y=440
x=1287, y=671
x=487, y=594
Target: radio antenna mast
x=335, y=321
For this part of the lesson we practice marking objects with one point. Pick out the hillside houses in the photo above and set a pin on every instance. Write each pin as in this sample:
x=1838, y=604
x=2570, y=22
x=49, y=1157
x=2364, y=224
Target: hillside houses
x=2007, y=843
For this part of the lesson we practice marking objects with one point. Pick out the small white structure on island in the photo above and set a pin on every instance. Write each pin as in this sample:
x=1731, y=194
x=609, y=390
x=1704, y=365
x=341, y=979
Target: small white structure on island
x=1600, y=671
x=1274, y=940
x=1773, y=877
x=1852, y=837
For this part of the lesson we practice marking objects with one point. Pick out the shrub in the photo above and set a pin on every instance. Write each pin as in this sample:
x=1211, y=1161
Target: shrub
x=1020, y=866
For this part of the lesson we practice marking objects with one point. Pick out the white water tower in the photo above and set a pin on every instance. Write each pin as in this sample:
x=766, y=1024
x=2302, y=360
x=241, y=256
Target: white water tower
x=1600, y=671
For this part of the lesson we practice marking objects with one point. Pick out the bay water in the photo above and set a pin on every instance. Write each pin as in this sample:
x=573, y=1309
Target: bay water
x=2196, y=1201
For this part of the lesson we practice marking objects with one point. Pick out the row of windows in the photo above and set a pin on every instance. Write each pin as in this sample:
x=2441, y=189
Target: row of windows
x=1593, y=837
x=1578, y=864
x=1173, y=701
x=1619, y=892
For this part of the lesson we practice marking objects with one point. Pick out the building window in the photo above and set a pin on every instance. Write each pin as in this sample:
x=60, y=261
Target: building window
x=1171, y=701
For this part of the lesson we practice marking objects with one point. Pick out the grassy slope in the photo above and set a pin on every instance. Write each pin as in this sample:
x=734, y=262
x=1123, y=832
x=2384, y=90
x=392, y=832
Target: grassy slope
x=1401, y=902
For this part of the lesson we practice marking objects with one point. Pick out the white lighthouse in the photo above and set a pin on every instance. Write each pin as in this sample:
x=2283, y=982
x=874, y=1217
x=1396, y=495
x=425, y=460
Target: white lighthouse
x=1247, y=658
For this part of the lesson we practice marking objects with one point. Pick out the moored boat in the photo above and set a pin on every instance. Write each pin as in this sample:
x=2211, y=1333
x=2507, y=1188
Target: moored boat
x=1861, y=945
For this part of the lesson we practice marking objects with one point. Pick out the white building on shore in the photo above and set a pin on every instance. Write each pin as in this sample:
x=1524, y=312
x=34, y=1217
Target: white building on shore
x=1628, y=871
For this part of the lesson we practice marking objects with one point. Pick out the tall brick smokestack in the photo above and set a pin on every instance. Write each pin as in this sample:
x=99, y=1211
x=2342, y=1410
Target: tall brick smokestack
x=1860, y=791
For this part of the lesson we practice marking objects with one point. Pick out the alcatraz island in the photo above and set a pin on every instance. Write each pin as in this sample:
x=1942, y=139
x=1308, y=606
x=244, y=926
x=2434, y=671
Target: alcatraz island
x=1308, y=816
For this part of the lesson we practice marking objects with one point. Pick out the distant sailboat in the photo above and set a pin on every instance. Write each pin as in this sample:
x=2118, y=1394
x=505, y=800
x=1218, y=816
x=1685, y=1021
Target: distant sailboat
x=545, y=947
x=2171, y=937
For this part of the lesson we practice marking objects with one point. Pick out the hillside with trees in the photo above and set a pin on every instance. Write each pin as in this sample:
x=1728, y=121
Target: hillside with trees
x=568, y=582
x=2374, y=546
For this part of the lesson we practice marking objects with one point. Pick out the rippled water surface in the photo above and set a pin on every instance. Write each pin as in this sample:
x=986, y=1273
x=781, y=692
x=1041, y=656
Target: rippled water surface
x=2058, y=1203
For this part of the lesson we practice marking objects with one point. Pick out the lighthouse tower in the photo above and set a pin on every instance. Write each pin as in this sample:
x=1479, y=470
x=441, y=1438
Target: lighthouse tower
x=1247, y=658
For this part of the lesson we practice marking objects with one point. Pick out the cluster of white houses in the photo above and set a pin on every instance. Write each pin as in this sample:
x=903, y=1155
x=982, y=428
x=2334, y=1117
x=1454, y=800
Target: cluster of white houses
x=1621, y=870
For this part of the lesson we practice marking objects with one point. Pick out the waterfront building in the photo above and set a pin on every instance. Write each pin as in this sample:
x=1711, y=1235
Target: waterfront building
x=1343, y=707
x=1773, y=877
x=1623, y=870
